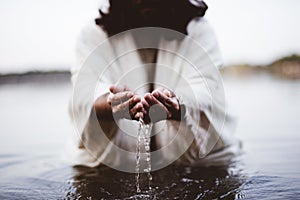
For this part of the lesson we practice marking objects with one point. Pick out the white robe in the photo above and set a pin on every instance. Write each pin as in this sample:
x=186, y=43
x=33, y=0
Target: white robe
x=187, y=142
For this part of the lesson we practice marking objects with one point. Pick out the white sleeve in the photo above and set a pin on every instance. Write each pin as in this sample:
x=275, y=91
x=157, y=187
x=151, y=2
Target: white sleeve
x=205, y=127
x=89, y=141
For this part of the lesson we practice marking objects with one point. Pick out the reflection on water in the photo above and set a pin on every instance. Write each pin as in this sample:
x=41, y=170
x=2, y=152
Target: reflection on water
x=173, y=182
x=35, y=125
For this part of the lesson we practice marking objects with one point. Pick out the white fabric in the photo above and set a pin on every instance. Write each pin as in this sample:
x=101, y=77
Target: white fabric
x=91, y=148
x=104, y=6
x=196, y=2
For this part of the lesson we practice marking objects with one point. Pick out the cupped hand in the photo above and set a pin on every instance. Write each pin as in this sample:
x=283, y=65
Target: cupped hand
x=161, y=104
x=124, y=103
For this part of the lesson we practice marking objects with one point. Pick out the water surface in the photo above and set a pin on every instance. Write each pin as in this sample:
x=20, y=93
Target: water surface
x=35, y=126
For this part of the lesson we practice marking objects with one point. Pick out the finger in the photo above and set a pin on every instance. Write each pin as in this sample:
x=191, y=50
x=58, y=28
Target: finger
x=117, y=88
x=165, y=91
x=122, y=110
x=150, y=99
x=121, y=97
x=159, y=107
x=130, y=103
x=138, y=107
x=138, y=116
x=134, y=101
x=170, y=103
x=137, y=111
x=112, y=88
x=160, y=95
x=145, y=104
x=168, y=93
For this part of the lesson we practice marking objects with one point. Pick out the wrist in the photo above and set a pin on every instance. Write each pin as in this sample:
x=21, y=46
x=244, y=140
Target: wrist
x=103, y=108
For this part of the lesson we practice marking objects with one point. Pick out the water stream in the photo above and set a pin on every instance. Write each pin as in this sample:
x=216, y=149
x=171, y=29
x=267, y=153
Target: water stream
x=144, y=132
x=138, y=152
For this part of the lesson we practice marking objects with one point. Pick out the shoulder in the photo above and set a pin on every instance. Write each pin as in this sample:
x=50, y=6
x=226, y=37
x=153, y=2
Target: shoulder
x=199, y=26
x=92, y=33
x=201, y=31
x=90, y=36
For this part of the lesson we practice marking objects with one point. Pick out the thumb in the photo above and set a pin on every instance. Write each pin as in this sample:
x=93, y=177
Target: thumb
x=117, y=88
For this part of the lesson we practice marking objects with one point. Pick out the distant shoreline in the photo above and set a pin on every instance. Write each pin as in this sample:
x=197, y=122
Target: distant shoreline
x=287, y=68
x=36, y=77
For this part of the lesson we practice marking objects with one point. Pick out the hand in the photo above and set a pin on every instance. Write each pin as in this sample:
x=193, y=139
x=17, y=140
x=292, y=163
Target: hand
x=124, y=103
x=161, y=104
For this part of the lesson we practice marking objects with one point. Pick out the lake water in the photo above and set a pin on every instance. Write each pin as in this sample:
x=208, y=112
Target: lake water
x=35, y=125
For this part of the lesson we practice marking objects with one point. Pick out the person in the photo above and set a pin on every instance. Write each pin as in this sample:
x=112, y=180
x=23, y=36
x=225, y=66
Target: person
x=138, y=76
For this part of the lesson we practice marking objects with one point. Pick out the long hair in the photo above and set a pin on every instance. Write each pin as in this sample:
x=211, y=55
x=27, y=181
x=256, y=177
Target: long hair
x=171, y=14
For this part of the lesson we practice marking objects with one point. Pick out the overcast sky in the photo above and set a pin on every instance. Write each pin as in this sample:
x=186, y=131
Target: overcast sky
x=40, y=34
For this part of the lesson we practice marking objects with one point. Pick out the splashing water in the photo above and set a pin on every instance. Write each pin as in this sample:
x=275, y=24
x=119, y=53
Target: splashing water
x=138, y=152
x=144, y=129
x=148, y=154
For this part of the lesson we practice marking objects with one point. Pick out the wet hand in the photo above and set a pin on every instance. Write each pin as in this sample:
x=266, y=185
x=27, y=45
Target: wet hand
x=161, y=104
x=124, y=103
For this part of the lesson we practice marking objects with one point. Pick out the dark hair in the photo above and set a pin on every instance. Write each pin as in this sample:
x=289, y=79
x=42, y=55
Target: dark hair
x=171, y=14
